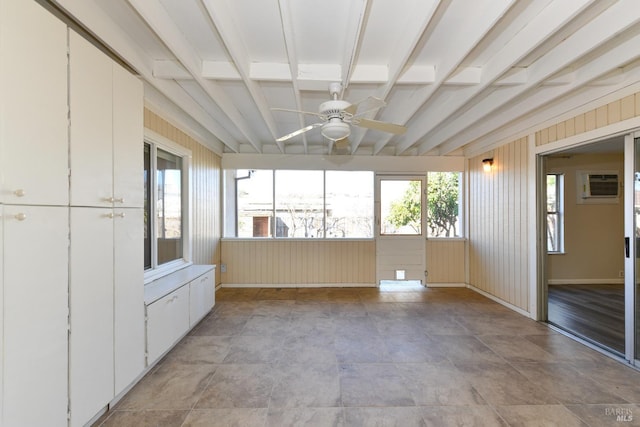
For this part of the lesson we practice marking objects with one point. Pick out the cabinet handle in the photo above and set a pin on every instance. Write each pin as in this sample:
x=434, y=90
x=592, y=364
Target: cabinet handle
x=109, y=215
x=109, y=199
x=118, y=200
x=19, y=192
x=121, y=214
x=21, y=216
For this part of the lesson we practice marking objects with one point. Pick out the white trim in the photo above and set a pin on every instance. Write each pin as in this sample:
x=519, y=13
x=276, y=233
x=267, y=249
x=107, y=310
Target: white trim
x=298, y=285
x=556, y=282
x=501, y=302
x=445, y=285
x=533, y=232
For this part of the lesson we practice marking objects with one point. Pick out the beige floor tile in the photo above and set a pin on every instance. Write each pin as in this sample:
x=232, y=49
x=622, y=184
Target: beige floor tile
x=374, y=385
x=455, y=416
x=239, y=386
x=412, y=348
x=463, y=348
x=621, y=379
x=221, y=326
x=226, y=417
x=172, y=386
x=200, y=349
x=386, y=417
x=255, y=349
x=306, y=417
x=514, y=348
x=539, y=416
x=306, y=385
x=145, y=418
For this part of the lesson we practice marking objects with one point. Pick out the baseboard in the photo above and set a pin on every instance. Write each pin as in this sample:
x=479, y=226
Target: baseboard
x=616, y=281
x=299, y=285
x=501, y=301
x=446, y=285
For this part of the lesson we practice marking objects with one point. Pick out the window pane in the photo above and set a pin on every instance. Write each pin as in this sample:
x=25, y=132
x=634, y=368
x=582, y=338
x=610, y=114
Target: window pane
x=255, y=203
x=552, y=232
x=147, y=207
x=401, y=207
x=443, y=204
x=552, y=193
x=299, y=199
x=349, y=204
x=169, y=206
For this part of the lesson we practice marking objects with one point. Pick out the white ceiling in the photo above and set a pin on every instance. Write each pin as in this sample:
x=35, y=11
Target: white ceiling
x=459, y=74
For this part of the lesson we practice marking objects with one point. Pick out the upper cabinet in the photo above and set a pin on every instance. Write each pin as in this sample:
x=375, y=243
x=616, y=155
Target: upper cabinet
x=34, y=167
x=106, y=105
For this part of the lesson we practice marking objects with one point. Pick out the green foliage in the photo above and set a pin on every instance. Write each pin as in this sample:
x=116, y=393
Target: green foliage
x=442, y=203
x=406, y=211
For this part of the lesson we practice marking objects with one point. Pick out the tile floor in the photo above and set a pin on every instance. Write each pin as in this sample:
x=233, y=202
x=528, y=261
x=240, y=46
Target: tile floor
x=377, y=357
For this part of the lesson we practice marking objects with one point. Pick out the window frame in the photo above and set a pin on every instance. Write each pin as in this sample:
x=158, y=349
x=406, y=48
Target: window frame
x=559, y=211
x=231, y=209
x=157, y=141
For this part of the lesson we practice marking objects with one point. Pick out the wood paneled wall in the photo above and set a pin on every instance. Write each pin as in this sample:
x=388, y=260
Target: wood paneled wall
x=206, y=194
x=445, y=261
x=614, y=112
x=299, y=262
x=498, y=217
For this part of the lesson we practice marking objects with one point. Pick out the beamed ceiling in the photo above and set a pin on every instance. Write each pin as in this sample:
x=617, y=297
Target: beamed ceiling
x=459, y=74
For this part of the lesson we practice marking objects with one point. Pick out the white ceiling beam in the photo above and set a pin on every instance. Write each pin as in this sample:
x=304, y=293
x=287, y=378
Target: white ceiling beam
x=318, y=76
x=560, y=80
x=589, y=97
x=623, y=53
x=516, y=76
x=272, y=72
x=292, y=55
x=475, y=29
x=170, y=70
x=370, y=74
x=594, y=34
x=415, y=27
x=550, y=20
x=108, y=31
x=161, y=23
x=418, y=75
x=222, y=18
x=465, y=76
x=613, y=78
x=220, y=70
x=357, y=15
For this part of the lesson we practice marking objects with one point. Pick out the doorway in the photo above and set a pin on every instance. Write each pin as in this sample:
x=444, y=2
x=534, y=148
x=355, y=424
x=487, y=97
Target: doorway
x=585, y=228
x=400, y=230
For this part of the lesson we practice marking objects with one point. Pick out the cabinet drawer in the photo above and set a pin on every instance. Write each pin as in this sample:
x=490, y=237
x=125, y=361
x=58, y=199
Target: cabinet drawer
x=201, y=296
x=167, y=321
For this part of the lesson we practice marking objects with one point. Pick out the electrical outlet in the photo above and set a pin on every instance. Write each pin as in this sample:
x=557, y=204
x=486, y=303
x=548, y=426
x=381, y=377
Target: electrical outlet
x=621, y=273
x=223, y=268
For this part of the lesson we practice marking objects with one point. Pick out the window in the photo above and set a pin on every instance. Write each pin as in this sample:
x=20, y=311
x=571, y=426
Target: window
x=301, y=203
x=555, y=203
x=166, y=242
x=443, y=204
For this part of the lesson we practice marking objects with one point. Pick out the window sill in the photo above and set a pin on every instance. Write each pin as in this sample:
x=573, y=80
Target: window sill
x=165, y=270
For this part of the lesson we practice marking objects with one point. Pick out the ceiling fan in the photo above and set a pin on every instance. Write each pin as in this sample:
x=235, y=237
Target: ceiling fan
x=337, y=116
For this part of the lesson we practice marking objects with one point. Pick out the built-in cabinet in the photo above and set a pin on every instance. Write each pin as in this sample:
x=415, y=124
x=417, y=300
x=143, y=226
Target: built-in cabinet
x=73, y=334
x=107, y=341
x=34, y=222
x=175, y=304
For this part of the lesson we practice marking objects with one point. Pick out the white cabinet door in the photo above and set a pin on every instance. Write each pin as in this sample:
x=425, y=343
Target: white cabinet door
x=128, y=137
x=201, y=295
x=129, y=297
x=167, y=321
x=36, y=244
x=91, y=288
x=33, y=106
x=91, y=148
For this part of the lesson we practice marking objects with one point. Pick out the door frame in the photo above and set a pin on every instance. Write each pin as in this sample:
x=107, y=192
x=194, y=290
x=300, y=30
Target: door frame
x=380, y=238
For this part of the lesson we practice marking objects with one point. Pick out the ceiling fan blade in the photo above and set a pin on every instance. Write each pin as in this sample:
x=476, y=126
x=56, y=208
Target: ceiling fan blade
x=287, y=110
x=367, y=105
x=382, y=126
x=298, y=132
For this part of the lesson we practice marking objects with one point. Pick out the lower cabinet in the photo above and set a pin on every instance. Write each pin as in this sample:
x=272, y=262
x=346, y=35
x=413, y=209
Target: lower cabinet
x=35, y=242
x=167, y=322
x=174, y=304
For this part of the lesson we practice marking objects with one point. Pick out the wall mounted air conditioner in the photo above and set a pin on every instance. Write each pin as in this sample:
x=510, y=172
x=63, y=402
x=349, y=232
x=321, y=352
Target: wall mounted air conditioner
x=598, y=187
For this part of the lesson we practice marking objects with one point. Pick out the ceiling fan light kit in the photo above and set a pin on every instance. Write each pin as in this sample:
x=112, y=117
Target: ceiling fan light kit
x=339, y=115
